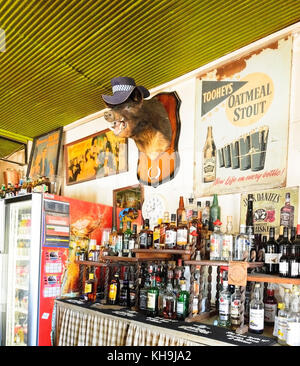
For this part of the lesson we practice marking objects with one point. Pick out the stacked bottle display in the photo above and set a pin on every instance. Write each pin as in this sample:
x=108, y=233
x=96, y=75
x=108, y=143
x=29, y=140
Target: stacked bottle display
x=25, y=186
x=261, y=309
x=163, y=289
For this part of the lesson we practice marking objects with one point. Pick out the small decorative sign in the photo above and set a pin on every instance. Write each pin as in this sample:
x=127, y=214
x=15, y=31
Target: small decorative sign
x=237, y=273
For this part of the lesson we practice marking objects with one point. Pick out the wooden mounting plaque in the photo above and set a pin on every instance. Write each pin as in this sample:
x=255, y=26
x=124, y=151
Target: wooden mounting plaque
x=237, y=273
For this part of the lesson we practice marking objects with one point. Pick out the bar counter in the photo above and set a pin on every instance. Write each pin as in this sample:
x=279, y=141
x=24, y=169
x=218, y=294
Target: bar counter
x=79, y=324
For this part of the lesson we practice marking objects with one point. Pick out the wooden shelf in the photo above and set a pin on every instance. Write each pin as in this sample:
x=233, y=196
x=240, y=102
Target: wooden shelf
x=262, y=277
x=220, y=263
x=92, y=263
x=158, y=251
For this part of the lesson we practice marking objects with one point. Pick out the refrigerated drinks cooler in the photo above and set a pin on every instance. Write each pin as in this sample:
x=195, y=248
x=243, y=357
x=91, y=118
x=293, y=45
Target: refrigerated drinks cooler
x=34, y=259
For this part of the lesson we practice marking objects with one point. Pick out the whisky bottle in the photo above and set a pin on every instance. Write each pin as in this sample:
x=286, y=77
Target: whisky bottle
x=113, y=237
x=193, y=226
x=171, y=234
x=124, y=298
x=90, y=288
x=146, y=236
x=163, y=227
x=180, y=210
x=182, y=233
x=287, y=213
x=284, y=242
x=133, y=239
x=209, y=158
x=156, y=234
x=152, y=298
x=189, y=209
x=145, y=285
x=114, y=290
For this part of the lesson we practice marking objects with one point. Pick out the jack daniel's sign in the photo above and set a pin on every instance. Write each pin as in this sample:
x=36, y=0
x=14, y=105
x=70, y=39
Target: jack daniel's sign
x=272, y=208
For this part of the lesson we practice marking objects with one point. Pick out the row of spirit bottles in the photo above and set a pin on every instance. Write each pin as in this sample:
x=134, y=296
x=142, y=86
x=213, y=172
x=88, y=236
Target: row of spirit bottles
x=262, y=310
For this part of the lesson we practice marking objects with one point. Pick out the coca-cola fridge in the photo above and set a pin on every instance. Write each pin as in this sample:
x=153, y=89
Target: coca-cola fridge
x=38, y=236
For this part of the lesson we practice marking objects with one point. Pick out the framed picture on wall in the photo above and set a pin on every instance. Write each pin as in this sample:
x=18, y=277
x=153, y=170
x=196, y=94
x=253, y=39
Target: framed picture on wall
x=127, y=205
x=96, y=156
x=44, y=156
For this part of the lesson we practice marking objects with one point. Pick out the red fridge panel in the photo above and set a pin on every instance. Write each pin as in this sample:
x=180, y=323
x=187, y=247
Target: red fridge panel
x=61, y=232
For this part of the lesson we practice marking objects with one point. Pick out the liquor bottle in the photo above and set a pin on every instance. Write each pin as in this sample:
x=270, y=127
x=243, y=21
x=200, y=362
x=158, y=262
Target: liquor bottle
x=132, y=290
x=250, y=229
x=242, y=244
x=152, y=298
x=228, y=239
x=282, y=323
x=114, y=290
x=92, y=253
x=156, y=234
x=199, y=224
x=182, y=301
x=224, y=303
x=287, y=212
x=113, y=238
x=169, y=300
x=214, y=213
x=249, y=214
x=133, y=239
x=272, y=253
x=206, y=212
x=124, y=298
x=145, y=285
x=260, y=245
x=293, y=322
x=248, y=294
x=235, y=308
x=297, y=243
x=209, y=158
x=216, y=240
x=284, y=262
x=163, y=227
x=256, y=312
x=182, y=233
x=294, y=262
x=192, y=225
x=284, y=242
x=146, y=236
x=120, y=239
x=270, y=306
x=127, y=236
x=90, y=288
x=180, y=210
x=280, y=237
x=196, y=291
x=171, y=234
x=293, y=234
x=189, y=209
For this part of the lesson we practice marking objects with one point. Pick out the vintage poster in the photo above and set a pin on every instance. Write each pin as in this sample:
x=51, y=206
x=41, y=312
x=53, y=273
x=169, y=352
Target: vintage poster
x=242, y=120
x=95, y=156
x=272, y=208
x=44, y=155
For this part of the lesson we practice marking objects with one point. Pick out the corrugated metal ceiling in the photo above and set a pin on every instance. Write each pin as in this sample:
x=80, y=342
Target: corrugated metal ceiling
x=61, y=54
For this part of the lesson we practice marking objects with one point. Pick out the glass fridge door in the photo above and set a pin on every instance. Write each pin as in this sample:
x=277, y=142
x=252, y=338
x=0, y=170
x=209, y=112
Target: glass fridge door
x=19, y=239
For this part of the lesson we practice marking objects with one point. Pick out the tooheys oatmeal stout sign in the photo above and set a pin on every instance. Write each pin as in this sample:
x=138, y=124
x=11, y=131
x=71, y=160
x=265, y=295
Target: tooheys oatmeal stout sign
x=242, y=116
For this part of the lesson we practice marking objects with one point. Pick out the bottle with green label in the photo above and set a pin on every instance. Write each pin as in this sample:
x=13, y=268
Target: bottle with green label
x=182, y=303
x=127, y=236
x=152, y=298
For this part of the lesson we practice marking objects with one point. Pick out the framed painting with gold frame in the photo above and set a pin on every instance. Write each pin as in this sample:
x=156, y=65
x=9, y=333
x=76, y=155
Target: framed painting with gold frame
x=96, y=156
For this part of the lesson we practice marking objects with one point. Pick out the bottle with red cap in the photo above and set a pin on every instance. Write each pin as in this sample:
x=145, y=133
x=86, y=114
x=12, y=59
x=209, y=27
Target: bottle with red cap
x=216, y=241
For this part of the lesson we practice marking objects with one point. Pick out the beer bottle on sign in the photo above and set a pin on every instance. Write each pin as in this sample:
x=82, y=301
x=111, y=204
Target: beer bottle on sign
x=209, y=158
